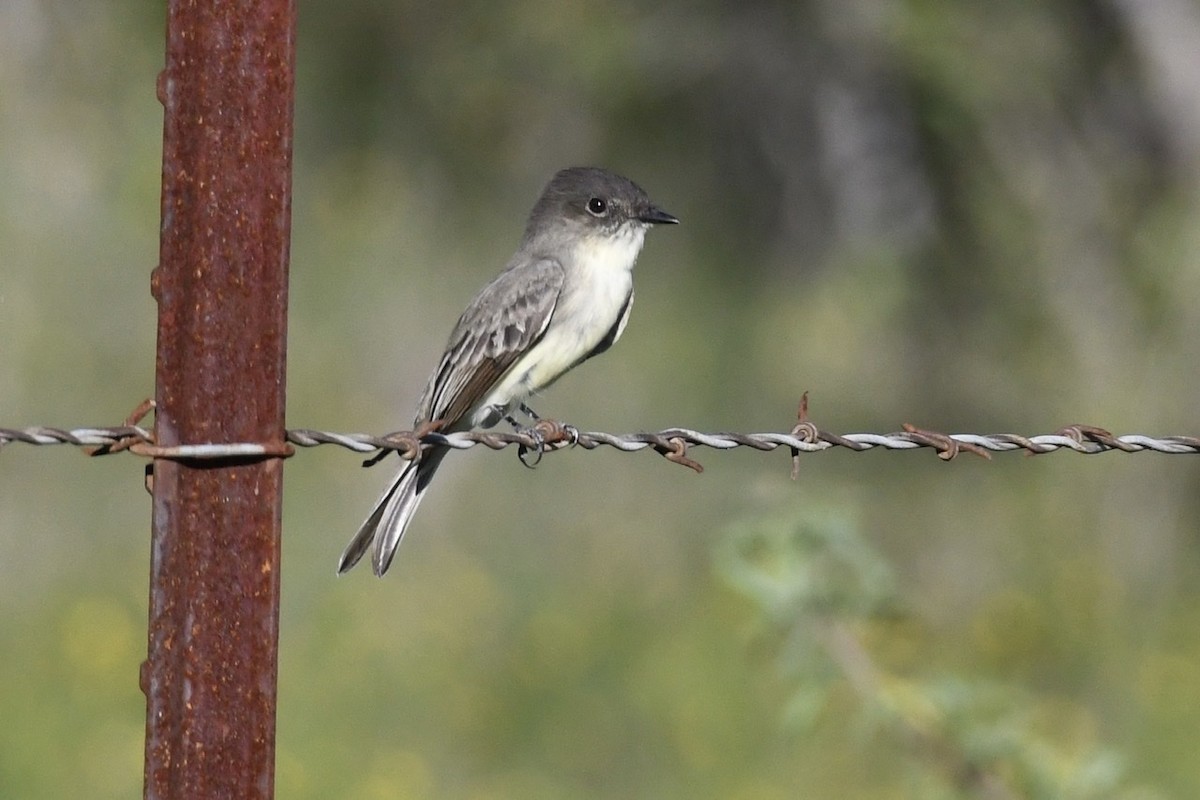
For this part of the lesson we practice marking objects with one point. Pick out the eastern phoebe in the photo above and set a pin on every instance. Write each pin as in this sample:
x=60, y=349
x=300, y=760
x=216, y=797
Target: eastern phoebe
x=564, y=297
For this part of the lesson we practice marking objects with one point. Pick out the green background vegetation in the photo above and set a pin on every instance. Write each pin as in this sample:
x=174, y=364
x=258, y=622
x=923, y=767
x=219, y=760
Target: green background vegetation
x=969, y=216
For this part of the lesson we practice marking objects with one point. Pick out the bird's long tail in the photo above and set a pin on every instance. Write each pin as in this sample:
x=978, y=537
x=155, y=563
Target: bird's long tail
x=392, y=513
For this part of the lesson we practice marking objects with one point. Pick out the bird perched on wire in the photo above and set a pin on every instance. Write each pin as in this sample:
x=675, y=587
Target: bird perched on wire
x=564, y=297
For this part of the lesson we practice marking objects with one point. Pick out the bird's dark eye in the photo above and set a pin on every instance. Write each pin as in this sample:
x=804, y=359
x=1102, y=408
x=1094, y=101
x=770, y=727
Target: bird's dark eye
x=597, y=206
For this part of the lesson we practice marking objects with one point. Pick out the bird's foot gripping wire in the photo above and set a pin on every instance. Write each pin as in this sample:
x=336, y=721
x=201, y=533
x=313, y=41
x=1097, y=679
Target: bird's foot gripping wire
x=543, y=433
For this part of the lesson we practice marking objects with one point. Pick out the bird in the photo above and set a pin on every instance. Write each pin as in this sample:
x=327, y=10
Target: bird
x=564, y=297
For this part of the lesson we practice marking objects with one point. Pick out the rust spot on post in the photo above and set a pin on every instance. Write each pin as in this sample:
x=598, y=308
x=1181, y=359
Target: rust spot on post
x=221, y=285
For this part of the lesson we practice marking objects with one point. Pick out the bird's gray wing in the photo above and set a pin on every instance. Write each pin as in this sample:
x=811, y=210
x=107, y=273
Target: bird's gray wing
x=504, y=320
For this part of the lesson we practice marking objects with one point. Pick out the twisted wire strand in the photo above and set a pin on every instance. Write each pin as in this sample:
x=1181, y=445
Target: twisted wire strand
x=548, y=436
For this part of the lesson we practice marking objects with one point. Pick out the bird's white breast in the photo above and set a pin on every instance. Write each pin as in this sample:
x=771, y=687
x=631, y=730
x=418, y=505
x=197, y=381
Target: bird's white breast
x=597, y=286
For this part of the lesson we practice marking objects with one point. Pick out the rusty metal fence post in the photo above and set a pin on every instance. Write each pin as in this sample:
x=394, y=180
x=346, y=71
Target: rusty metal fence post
x=221, y=287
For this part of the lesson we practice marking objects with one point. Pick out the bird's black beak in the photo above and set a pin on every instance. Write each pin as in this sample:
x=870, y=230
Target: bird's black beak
x=656, y=216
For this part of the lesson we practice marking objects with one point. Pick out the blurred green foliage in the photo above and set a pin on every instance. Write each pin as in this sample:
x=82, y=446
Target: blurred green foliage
x=972, y=217
x=826, y=596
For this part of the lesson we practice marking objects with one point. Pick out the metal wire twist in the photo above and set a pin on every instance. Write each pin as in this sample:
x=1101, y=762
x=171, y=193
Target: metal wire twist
x=673, y=443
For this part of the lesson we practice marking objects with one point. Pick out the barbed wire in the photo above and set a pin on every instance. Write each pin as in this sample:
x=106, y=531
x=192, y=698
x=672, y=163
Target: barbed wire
x=548, y=436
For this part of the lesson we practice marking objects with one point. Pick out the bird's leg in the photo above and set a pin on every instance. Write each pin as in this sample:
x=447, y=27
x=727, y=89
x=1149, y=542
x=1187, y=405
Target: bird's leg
x=527, y=411
x=544, y=432
x=539, y=431
x=533, y=432
x=559, y=429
